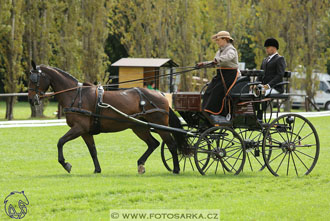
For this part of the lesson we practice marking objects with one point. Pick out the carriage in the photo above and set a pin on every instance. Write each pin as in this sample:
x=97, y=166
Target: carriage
x=284, y=143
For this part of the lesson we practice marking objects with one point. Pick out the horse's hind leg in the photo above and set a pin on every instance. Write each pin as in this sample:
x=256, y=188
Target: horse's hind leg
x=145, y=135
x=172, y=146
x=89, y=140
x=73, y=133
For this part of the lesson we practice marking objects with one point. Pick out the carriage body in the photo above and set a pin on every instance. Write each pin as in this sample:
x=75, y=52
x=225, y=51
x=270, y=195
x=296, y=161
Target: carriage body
x=289, y=138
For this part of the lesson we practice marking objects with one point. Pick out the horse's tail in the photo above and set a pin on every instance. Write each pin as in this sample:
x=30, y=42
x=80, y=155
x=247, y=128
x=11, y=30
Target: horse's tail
x=179, y=138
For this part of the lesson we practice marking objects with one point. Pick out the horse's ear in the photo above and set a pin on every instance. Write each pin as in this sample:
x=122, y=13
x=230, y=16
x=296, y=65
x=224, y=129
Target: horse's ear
x=34, y=66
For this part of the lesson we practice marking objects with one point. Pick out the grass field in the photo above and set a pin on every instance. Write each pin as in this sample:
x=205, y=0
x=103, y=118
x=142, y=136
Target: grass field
x=22, y=110
x=29, y=162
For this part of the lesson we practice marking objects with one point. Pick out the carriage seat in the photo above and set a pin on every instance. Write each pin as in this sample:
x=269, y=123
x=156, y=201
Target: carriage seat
x=241, y=89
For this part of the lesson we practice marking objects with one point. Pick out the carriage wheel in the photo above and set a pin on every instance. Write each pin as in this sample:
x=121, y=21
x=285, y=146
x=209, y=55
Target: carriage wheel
x=219, y=146
x=293, y=143
x=185, y=156
x=253, y=144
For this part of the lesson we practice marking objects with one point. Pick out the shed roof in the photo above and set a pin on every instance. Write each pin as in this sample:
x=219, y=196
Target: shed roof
x=144, y=62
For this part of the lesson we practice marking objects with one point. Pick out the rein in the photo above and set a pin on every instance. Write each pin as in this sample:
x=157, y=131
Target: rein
x=63, y=91
x=110, y=85
x=152, y=77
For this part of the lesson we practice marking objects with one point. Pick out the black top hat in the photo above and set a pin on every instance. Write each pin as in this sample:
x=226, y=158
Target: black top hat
x=271, y=42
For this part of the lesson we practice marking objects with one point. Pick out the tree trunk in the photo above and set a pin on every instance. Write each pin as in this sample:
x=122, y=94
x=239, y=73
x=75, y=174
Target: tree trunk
x=10, y=108
x=37, y=110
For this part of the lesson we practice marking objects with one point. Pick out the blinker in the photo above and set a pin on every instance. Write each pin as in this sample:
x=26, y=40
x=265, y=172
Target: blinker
x=34, y=77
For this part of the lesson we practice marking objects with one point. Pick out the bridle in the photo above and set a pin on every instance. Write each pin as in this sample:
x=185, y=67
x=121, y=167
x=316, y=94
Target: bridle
x=35, y=76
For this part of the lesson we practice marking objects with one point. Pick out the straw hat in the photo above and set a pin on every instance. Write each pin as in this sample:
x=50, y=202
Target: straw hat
x=222, y=34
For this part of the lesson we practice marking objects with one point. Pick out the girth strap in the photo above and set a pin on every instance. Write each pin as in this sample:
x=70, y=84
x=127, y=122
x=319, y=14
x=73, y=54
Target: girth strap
x=96, y=127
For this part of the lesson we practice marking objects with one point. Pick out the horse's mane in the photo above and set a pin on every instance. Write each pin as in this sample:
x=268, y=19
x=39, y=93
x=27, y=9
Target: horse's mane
x=65, y=73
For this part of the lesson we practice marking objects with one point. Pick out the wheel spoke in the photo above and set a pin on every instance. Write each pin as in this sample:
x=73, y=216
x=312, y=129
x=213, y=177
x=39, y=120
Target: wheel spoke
x=202, y=160
x=282, y=137
x=223, y=168
x=184, y=164
x=294, y=124
x=299, y=131
x=232, y=140
x=287, y=169
x=181, y=158
x=301, y=160
x=209, y=166
x=191, y=164
x=216, y=169
x=257, y=159
x=294, y=164
x=306, y=145
x=237, y=158
x=281, y=162
x=230, y=164
x=305, y=154
x=272, y=139
x=286, y=132
x=169, y=159
x=304, y=137
x=276, y=157
x=249, y=162
x=233, y=149
x=222, y=140
x=232, y=155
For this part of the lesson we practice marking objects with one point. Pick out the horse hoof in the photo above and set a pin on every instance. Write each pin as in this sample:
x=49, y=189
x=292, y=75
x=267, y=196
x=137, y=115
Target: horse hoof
x=176, y=171
x=97, y=171
x=141, y=169
x=68, y=167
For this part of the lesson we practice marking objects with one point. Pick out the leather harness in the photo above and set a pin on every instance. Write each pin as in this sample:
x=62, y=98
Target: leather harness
x=96, y=120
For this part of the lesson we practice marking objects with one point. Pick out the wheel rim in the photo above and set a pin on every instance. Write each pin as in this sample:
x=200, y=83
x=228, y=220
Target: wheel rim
x=294, y=146
x=185, y=156
x=219, y=147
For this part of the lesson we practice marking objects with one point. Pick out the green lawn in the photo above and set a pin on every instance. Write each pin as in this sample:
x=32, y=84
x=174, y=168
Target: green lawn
x=22, y=110
x=29, y=162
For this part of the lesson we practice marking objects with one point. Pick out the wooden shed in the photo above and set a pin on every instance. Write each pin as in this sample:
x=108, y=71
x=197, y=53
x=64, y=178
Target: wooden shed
x=142, y=68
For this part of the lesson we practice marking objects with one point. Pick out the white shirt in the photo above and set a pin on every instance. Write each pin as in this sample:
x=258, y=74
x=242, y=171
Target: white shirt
x=271, y=56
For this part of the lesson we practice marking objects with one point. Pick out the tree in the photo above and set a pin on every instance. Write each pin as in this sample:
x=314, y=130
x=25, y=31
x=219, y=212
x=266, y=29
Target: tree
x=12, y=51
x=38, y=38
x=67, y=50
x=94, y=34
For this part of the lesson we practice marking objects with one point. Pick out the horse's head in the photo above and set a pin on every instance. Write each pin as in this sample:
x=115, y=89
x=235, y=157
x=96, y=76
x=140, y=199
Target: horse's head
x=38, y=84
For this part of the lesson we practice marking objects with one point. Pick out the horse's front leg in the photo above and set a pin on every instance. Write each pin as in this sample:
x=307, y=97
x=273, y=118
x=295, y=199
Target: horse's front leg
x=73, y=133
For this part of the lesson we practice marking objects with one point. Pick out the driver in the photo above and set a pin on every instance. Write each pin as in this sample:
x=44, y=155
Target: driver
x=274, y=67
x=214, y=104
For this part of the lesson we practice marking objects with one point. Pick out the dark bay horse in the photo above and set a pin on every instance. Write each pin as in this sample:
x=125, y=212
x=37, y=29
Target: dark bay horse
x=127, y=101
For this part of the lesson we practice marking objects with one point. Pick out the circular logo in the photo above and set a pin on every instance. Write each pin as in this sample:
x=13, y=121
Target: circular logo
x=15, y=205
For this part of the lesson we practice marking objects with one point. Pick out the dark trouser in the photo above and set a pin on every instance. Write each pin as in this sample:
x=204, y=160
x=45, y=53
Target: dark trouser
x=260, y=108
x=214, y=101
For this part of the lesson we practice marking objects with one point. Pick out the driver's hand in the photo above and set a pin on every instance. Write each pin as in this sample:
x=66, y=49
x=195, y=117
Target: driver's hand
x=200, y=65
x=266, y=86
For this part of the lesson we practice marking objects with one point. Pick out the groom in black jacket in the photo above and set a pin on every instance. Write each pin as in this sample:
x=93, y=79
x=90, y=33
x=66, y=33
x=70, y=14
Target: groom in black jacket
x=274, y=67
